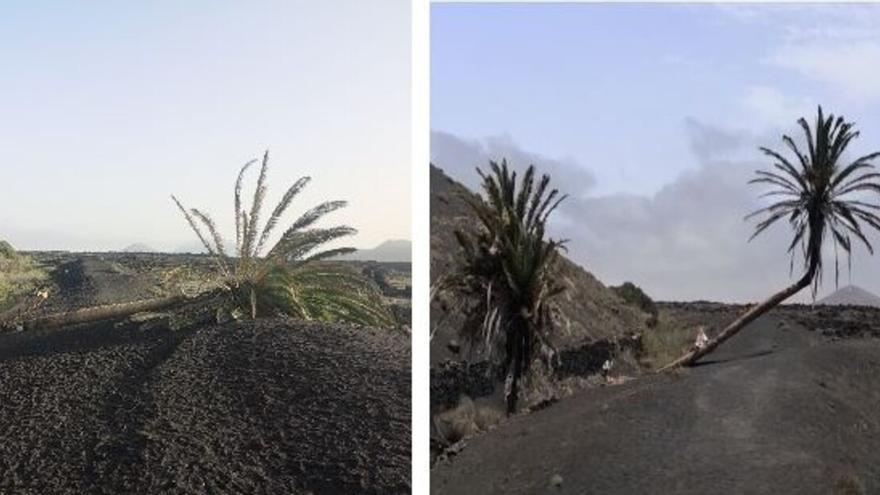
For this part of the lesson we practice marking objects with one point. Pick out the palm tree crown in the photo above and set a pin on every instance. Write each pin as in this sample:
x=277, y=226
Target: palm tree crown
x=820, y=194
x=506, y=271
x=292, y=277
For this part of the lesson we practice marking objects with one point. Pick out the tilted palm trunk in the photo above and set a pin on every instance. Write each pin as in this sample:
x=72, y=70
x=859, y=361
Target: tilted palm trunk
x=749, y=316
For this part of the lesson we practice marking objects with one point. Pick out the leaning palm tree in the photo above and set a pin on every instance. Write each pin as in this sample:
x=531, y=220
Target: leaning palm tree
x=505, y=281
x=822, y=198
x=292, y=277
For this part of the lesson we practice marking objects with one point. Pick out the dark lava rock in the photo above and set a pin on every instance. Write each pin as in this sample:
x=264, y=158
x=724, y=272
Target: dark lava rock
x=272, y=406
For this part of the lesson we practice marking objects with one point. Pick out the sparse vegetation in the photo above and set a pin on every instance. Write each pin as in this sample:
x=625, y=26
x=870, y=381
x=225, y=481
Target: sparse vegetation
x=504, y=284
x=848, y=485
x=820, y=198
x=666, y=341
x=464, y=420
x=18, y=275
x=292, y=277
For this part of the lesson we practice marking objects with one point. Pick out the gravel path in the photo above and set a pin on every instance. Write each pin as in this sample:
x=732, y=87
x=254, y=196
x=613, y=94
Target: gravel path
x=777, y=409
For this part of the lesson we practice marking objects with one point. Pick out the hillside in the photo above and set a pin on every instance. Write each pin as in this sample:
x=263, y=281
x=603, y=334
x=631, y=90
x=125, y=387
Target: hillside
x=851, y=296
x=589, y=311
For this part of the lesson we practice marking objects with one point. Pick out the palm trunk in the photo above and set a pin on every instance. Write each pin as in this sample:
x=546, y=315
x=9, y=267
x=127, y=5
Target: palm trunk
x=749, y=316
x=98, y=313
x=514, y=385
x=110, y=311
x=515, y=350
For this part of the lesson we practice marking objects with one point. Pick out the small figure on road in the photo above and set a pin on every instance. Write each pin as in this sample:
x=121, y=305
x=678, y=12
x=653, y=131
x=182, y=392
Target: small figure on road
x=701, y=339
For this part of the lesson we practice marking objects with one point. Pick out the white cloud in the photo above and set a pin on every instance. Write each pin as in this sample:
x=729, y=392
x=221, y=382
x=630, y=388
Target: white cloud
x=772, y=108
x=853, y=68
x=688, y=241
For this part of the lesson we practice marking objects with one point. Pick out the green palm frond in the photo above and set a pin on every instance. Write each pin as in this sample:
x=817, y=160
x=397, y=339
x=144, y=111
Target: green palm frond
x=292, y=278
x=816, y=194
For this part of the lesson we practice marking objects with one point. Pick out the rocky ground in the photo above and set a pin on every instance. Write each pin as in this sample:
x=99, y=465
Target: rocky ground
x=276, y=406
x=787, y=406
x=272, y=406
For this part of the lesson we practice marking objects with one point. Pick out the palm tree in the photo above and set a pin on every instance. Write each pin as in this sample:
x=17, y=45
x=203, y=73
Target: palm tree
x=821, y=198
x=292, y=277
x=505, y=278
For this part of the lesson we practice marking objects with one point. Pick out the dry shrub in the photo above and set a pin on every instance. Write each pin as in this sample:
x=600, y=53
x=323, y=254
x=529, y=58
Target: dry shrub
x=465, y=420
x=848, y=484
x=667, y=341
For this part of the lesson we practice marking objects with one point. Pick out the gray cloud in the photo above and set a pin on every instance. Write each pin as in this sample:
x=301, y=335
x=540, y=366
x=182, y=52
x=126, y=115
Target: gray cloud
x=459, y=158
x=688, y=241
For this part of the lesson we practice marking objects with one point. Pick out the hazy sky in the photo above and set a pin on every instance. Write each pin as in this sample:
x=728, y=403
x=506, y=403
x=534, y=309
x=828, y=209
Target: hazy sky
x=109, y=107
x=650, y=117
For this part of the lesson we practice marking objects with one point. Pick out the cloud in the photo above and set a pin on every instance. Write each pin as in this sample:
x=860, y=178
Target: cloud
x=852, y=68
x=773, y=108
x=836, y=45
x=459, y=158
x=688, y=241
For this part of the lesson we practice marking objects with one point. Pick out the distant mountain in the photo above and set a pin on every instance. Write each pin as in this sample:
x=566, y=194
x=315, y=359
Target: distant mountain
x=194, y=247
x=138, y=247
x=851, y=296
x=392, y=250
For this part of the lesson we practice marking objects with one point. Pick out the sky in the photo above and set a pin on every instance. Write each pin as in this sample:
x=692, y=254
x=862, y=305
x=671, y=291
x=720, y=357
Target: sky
x=650, y=116
x=108, y=108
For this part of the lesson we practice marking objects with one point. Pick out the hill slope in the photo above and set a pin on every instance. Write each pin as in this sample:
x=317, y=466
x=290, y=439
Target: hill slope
x=851, y=296
x=589, y=310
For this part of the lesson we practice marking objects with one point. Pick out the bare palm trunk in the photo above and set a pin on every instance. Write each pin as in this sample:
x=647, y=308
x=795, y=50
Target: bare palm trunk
x=98, y=313
x=514, y=385
x=749, y=316
x=110, y=311
x=515, y=352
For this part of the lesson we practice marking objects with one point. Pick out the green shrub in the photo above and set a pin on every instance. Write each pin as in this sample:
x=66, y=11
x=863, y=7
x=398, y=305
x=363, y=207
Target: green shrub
x=632, y=294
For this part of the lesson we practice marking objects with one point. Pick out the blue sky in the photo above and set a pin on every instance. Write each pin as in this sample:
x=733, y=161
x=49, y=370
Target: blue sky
x=109, y=107
x=612, y=85
x=635, y=106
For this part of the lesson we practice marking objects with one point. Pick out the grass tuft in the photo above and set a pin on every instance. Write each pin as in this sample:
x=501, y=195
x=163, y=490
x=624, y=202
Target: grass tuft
x=667, y=341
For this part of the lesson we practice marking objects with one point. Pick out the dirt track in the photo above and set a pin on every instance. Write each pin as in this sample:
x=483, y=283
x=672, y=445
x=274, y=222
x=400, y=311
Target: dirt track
x=777, y=409
x=276, y=406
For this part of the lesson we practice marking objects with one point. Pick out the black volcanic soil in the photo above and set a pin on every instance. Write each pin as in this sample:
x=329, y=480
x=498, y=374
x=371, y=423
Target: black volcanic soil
x=777, y=409
x=274, y=406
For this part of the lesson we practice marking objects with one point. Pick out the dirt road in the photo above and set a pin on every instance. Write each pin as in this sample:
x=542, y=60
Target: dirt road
x=778, y=409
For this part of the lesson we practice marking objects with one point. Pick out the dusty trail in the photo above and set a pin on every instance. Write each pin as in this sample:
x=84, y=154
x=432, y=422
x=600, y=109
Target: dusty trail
x=778, y=409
